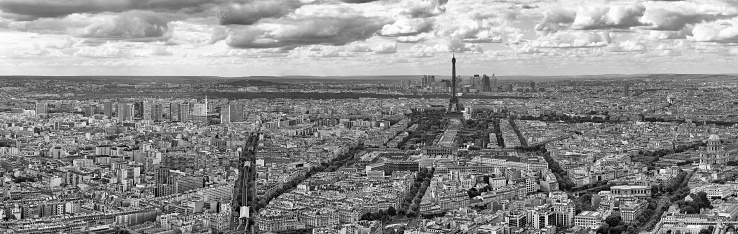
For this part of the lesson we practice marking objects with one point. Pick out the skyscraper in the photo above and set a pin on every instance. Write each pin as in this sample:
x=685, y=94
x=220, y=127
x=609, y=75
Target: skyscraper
x=626, y=89
x=89, y=111
x=494, y=83
x=174, y=112
x=453, y=103
x=157, y=112
x=237, y=114
x=163, y=181
x=200, y=109
x=184, y=112
x=42, y=108
x=486, y=84
x=225, y=114
x=125, y=111
x=146, y=110
x=138, y=110
x=532, y=86
x=108, y=109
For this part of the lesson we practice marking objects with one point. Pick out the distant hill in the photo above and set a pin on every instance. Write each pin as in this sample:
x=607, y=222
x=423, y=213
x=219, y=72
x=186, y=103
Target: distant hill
x=252, y=83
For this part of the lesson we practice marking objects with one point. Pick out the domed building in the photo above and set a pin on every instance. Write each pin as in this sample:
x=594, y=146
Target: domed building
x=714, y=155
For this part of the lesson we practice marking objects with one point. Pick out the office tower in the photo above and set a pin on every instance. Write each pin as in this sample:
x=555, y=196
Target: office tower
x=157, y=112
x=626, y=89
x=125, y=111
x=108, y=109
x=428, y=80
x=509, y=88
x=184, y=112
x=138, y=110
x=89, y=111
x=200, y=109
x=532, y=86
x=494, y=83
x=237, y=114
x=42, y=108
x=225, y=114
x=163, y=182
x=486, y=84
x=453, y=103
x=564, y=212
x=147, y=110
x=174, y=112
x=543, y=216
x=475, y=81
x=244, y=191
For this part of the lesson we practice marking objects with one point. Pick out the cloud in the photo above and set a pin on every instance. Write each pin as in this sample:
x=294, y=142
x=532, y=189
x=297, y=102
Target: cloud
x=388, y=48
x=662, y=35
x=160, y=51
x=290, y=33
x=676, y=17
x=250, y=13
x=129, y=25
x=358, y=47
x=556, y=20
x=424, y=8
x=414, y=39
x=420, y=50
x=723, y=31
x=456, y=45
x=407, y=27
x=626, y=46
x=61, y=8
x=218, y=34
x=608, y=17
x=358, y=1
x=572, y=39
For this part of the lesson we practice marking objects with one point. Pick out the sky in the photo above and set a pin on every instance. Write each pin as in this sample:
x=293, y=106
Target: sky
x=366, y=37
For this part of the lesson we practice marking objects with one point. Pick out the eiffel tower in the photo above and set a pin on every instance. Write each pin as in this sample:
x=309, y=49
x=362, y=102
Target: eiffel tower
x=453, y=102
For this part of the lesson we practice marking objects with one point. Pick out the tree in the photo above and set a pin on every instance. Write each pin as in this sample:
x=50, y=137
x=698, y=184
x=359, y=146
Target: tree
x=391, y=211
x=402, y=211
x=613, y=220
x=366, y=216
x=703, y=201
x=411, y=214
x=705, y=231
x=603, y=229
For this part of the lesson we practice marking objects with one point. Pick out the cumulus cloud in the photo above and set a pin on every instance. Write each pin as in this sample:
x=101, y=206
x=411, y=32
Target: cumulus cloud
x=407, y=27
x=676, y=17
x=608, y=17
x=358, y=47
x=723, y=31
x=218, y=34
x=572, y=39
x=626, y=46
x=358, y=1
x=252, y=12
x=388, y=48
x=414, y=39
x=662, y=35
x=421, y=50
x=556, y=20
x=424, y=8
x=290, y=33
x=160, y=51
x=128, y=25
x=51, y=9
